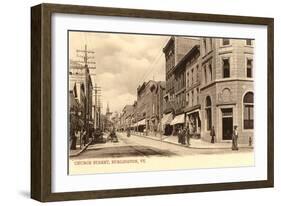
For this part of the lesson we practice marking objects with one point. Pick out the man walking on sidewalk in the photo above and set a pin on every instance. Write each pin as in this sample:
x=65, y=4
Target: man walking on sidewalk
x=235, y=139
x=187, y=136
x=213, y=134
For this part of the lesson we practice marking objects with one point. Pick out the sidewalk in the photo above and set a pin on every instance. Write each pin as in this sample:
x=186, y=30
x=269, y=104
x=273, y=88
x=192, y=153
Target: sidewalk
x=78, y=151
x=194, y=143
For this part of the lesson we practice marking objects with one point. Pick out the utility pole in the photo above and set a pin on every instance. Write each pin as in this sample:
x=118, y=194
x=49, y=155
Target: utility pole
x=87, y=55
x=96, y=95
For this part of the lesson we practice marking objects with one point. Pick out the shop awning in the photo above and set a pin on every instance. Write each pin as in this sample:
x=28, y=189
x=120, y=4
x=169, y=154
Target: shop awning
x=192, y=112
x=179, y=119
x=167, y=119
x=141, y=123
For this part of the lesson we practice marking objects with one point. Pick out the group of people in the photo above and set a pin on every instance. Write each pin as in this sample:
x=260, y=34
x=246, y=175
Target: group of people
x=234, y=137
x=184, y=136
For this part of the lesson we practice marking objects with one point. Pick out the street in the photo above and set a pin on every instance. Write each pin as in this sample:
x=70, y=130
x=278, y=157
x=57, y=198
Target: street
x=143, y=146
x=139, y=153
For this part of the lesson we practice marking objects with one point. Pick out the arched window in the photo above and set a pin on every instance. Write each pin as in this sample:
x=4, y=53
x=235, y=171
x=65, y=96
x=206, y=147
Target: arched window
x=208, y=107
x=248, y=102
x=226, y=68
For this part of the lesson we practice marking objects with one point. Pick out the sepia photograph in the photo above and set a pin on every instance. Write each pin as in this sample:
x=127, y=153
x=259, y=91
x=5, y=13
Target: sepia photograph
x=146, y=102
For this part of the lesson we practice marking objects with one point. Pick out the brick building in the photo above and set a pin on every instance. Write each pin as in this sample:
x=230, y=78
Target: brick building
x=180, y=53
x=149, y=106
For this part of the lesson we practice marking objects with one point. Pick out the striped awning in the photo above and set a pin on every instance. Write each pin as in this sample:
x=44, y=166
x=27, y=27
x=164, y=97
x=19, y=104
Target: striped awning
x=167, y=118
x=141, y=123
x=179, y=119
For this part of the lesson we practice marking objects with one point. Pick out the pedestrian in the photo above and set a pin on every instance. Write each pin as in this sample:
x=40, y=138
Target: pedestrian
x=213, y=134
x=179, y=136
x=73, y=139
x=183, y=136
x=187, y=136
x=84, y=137
x=235, y=138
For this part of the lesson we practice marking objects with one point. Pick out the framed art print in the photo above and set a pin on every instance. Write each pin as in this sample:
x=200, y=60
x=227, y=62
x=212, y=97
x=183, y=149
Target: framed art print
x=132, y=102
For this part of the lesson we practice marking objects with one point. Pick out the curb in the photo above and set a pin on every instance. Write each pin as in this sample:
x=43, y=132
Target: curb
x=82, y=150
x=191, y=147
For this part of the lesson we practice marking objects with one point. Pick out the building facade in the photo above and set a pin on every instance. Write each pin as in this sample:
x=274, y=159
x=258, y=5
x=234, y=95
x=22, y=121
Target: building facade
x=149, y=106
x=180, y=54
x=209, y=83
x=227, y=93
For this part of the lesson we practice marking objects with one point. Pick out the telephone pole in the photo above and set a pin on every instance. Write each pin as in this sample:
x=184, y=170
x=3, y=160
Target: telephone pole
x=87, y=56
x=96, y=94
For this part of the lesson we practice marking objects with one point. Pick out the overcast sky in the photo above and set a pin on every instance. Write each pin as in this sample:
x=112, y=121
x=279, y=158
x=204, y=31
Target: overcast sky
x=123, y=62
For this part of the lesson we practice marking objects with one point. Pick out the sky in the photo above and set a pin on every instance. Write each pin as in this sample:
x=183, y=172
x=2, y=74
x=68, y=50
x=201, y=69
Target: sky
x=123, y=62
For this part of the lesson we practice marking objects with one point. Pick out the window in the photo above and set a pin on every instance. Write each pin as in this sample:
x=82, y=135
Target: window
x=197, y=90
x=249, y=68
x=248, y=102
x=208, y=113
x=205, y=74
x=191, y=76
x=226, y=68
x=197, y=73
x=205, y=45
x=210, y=70
x=187, y=79
x=187, y=99
x=248, y=42
x=192, y=98
x=225, y=42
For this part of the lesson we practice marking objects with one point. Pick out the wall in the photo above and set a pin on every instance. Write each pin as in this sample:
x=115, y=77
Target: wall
x=15, y=122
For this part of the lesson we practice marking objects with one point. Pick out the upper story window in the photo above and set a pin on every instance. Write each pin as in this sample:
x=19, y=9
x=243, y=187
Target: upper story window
x=187, y=79
x=205, y=74
x=225, y=42
x=191, y=76
x=205, y=45
x=248, y=42
x=197, y=92
x=249, y=68
x=197, y=73
x=226, y=68
x=187, y=99
x=211, y=72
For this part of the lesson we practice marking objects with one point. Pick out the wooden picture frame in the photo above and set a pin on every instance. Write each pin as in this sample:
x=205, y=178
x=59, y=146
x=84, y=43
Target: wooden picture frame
x=41, y=97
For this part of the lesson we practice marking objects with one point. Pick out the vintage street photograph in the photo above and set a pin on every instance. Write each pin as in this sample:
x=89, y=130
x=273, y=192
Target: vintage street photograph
x=144, y=102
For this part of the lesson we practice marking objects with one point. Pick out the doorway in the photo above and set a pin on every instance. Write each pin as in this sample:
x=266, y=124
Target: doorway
x=227, y=123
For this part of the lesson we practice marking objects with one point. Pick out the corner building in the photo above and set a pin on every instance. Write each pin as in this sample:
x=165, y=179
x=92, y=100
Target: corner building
x=226, y=90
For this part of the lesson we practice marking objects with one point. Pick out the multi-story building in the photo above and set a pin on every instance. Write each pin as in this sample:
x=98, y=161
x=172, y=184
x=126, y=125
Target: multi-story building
x=127, y=115
x=179, y=54
x=227, y=96
x=80, y=78
x=209, y=83
x=149, y=106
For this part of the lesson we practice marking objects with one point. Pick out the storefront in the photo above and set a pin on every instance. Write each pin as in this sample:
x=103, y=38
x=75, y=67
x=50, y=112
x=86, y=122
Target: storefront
x=193, y=119
x=167, y=128
x=178, y=123
x=141, y=125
